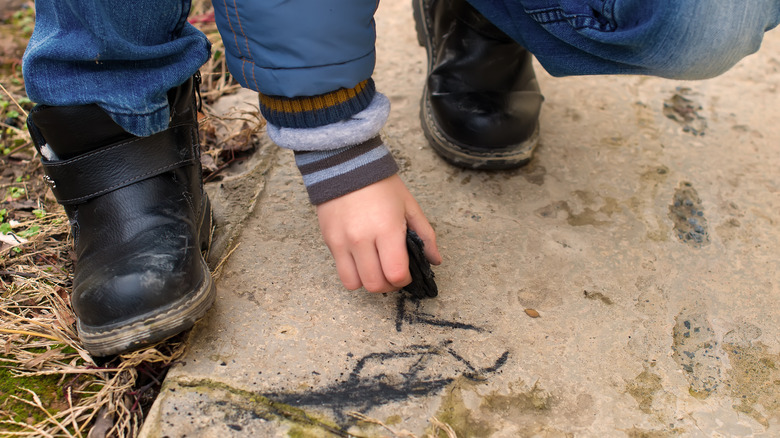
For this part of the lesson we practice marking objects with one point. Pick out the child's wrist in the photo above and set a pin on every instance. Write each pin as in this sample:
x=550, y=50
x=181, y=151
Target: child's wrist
x=330, y=174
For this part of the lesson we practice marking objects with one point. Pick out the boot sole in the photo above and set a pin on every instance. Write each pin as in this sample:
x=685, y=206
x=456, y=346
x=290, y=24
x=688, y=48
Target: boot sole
x=512, y=157
x=457, y=154
x=155, y=326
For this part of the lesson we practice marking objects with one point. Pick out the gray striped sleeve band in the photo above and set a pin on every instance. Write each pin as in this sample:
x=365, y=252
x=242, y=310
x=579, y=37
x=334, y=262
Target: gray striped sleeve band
x=333, y=173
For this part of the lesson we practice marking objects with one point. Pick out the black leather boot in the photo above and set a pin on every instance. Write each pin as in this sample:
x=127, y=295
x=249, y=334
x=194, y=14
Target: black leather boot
x=481, y=102
x=139, y=218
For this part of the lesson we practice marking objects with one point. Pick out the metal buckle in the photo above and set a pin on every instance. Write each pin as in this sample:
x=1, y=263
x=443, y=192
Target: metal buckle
x=49, y=182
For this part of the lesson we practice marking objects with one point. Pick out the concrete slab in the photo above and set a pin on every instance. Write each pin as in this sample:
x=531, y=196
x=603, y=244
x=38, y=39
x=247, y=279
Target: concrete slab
x=647, y=242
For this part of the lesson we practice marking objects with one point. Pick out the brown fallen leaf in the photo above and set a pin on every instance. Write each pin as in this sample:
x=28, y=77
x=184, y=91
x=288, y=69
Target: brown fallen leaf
x=532, y=313
x=103, y=424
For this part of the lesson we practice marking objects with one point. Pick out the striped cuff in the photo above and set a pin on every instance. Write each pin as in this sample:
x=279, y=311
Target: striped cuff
x=330, y=174
x=361, y=127
x=314, y=111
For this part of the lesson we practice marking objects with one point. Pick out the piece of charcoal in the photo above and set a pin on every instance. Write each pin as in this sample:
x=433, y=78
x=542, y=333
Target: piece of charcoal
x=422, y=285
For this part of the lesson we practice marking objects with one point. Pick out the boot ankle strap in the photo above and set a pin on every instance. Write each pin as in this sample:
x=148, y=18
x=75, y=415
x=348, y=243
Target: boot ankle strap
x=76, y=180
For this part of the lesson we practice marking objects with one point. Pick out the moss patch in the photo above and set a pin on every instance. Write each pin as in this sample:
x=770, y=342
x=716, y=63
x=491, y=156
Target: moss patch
x=514, y=405
x=643, y=433
x=521, y=406
x=643, y=389
x=303, y=424
x=308, y=432
x=754, y=380
x=454, y=412
x=47, y=388
x=393, y=420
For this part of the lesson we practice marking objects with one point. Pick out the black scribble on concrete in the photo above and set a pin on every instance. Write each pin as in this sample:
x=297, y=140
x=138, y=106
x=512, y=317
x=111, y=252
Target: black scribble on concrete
x=405, y=314
x=371, y=382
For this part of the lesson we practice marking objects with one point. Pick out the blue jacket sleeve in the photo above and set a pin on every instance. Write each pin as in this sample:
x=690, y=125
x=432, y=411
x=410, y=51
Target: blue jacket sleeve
x=295, y=48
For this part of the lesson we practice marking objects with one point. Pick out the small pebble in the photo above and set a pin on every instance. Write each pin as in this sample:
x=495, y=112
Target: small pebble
x=532, y=313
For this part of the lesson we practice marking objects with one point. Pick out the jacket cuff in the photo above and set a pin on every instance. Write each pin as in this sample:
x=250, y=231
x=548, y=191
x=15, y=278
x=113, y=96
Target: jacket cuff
x=330, y=174
x=320, y=110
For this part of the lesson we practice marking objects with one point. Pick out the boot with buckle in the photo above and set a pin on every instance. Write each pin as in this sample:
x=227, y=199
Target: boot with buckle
x=481, y=102
x=139, y=219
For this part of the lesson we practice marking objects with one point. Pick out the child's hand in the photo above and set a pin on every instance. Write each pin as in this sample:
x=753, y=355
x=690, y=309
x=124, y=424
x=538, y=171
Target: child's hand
x=366, y=233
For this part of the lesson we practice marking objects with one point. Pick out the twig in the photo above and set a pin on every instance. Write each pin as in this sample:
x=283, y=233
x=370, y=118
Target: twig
x=39, y=405
x=36, y=430
x=32, y=321
x=437, y=424
x=24, y=332
x=72, y=417
x=16, y=149
x=12, y=98
x=20, y=274
x=219, y=169
x=224, y=259
x=367, y=419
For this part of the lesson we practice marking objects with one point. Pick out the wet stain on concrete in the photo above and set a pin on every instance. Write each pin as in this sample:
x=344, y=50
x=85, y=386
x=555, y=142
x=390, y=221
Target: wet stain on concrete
x=598, y=296
x=636, y=432
x=656, y=174
x=754, y=377
x=471, y=415
x=588, y=216
x=378, y=379
x=551, y=211
x=685, y=111
x=651, y=397
x=650, y=180
x=533, y=172
x=613, y=141
x=572, y=114
x=644, y=388
x=731, y=228
x=754, y=381
x=534, y=400
x=747, y=130
x=687, y=214
x=453, y=411
x=696, y=350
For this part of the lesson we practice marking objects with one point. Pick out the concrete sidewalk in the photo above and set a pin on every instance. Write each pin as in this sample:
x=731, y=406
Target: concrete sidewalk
x=645, y=233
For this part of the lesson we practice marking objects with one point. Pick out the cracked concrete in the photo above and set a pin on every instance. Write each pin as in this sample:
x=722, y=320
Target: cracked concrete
x=655, y=317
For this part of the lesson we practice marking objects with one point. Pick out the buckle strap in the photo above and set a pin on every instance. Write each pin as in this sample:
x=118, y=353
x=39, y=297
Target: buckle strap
x=96, y=173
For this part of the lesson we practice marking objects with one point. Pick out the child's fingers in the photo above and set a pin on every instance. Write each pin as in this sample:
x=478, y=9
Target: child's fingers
x=394, y=258
x=369, y=268
x=345, y=266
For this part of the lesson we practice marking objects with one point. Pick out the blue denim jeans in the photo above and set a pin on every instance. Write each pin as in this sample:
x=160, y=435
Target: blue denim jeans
x=124, y=55
x=680, y=39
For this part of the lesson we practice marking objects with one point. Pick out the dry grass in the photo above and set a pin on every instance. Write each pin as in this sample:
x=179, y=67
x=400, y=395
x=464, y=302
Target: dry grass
x=70, y=391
